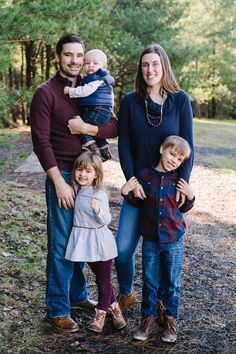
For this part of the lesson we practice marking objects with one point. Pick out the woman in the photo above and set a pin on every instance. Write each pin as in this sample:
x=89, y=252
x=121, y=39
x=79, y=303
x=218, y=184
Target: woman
x=156, y=109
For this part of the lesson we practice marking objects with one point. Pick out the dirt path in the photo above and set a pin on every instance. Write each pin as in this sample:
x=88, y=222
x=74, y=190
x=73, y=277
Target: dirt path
x=207, y=311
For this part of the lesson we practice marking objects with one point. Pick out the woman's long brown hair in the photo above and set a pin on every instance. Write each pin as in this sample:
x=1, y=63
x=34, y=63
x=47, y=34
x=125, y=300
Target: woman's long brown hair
x=169, y=83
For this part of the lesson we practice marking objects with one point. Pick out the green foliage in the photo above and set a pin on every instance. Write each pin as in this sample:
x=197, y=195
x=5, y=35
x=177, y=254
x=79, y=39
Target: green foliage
x=198, y=39
x=210, y=71
x=4, y=100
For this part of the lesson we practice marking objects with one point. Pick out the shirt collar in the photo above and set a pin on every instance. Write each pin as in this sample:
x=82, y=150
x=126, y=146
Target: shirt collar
x=64, y=81
x=162, y=173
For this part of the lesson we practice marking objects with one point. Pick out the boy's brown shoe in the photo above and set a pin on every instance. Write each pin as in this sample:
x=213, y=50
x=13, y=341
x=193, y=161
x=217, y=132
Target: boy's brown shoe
x=98, y=322
x=170, y=332
x=145, y=329
x=63, y=324
x=117, y=317
x=160, y=311
x=126, y=300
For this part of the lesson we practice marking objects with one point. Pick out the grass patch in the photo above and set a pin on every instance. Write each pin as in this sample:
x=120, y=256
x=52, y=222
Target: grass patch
x=22, y=259
x=9, y=156
x=221, y=162
x=216, y=142
x=7, y=140
x=215, y=133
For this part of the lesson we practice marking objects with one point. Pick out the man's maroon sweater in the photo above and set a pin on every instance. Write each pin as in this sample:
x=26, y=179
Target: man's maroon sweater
x=49, y=114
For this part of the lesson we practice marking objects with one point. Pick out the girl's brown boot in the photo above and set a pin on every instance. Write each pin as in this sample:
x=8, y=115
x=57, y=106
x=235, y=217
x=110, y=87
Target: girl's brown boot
x=98, y=322
x=117, y=317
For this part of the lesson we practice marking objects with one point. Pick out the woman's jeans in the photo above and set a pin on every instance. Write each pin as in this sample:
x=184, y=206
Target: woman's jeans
x=127, y=239
x=162, y=265
x=66, y=283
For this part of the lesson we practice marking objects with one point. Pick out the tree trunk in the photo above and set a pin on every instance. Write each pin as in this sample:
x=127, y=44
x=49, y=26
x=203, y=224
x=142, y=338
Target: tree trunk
x=10, y=77
x=23, y=113
x=22, y=67
x=13, y=105
x=42, y=63
x=213, y=107
x=209, y=110
x=29, y=49
x=29, y=52
x=48, y=60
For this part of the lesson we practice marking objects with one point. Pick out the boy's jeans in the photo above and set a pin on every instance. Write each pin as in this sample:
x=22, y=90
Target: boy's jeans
x=96, y=115
x=162, y=265
x=127, y=239
x=65, y=280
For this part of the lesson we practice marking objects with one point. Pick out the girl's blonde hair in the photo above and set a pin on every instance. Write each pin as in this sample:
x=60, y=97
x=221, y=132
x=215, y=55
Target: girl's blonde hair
x=85, y=160
x=179, y=144
x=169, y=82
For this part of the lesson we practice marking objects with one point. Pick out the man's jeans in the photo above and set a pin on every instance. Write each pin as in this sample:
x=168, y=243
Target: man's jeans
x=162, y=265
x=127, y=239
x=65, y=280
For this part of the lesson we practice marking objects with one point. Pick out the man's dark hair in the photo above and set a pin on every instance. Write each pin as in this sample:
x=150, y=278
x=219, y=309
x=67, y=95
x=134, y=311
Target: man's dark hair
x=68, y=38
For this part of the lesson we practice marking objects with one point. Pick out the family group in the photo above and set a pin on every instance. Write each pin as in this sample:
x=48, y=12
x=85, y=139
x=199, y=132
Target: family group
x=71, y=117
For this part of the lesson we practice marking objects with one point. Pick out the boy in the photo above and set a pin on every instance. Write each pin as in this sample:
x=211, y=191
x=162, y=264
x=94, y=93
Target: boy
x=96, y=98
x=162, y=227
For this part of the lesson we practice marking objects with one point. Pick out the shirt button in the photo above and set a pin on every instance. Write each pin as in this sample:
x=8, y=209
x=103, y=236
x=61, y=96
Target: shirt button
x=161, y=200
x=162, y=177
x=159, y=224
x=160, y=212
x=161, y=187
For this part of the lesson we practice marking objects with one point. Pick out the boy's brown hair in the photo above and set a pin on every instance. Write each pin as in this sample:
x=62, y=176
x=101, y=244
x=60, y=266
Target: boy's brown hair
x=179, y=144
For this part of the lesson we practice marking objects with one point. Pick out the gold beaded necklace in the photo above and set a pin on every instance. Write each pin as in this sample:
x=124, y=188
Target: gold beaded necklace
x=159, y=117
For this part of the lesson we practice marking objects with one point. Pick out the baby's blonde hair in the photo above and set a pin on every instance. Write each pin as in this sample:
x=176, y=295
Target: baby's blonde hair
x=85, y=160
x=97, y=52
x=179, y=144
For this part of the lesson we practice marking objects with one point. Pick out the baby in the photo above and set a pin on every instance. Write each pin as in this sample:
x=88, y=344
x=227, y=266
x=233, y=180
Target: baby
x=96, y=99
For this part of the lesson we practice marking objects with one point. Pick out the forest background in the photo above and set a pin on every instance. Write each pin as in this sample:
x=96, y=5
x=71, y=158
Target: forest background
x=200, y=39
x=198, y=35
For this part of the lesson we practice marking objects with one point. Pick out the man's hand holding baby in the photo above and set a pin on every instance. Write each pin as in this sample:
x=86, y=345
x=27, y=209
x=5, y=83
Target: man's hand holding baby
x=66, y=90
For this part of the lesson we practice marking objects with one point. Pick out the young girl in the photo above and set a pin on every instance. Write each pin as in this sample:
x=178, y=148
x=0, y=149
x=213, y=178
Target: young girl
x=90, y=239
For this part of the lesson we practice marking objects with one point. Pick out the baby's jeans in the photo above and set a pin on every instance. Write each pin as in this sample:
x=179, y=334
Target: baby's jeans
x=95, y=115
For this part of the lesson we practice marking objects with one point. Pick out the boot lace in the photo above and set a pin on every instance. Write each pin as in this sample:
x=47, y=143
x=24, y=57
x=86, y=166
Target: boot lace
x=99, y=317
